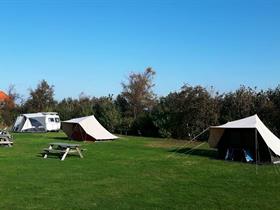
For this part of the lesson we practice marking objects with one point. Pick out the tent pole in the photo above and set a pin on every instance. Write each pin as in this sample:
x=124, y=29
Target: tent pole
x=83, y=137
x=256, y=147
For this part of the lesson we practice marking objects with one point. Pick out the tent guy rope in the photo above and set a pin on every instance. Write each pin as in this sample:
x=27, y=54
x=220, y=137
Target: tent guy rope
x=188, y=142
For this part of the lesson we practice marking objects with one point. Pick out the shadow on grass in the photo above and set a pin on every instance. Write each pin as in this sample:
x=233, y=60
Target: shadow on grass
x=56, y=156
x=61, y=138
x=39, y=155
x=212, y=154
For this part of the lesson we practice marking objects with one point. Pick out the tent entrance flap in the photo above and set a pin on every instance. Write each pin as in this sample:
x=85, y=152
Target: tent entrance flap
x=241, y=144
x=78, y=133
x=248, y=133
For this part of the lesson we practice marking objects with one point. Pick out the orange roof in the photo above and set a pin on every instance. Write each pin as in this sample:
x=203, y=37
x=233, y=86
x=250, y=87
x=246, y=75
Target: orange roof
x=3, y=96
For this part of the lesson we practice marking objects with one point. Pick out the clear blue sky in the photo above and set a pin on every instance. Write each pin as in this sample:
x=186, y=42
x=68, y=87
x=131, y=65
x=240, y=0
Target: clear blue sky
x=91, y=46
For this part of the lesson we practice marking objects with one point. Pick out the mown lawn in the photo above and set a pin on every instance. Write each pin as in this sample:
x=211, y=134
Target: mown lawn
x=131, y=173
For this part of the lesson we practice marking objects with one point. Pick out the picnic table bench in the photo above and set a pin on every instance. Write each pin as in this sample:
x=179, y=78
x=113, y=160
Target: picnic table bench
x=62, y=149
x=6, y=139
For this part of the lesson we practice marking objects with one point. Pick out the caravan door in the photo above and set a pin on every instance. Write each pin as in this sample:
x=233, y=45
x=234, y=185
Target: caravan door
x=53, y=123
x=50, y=123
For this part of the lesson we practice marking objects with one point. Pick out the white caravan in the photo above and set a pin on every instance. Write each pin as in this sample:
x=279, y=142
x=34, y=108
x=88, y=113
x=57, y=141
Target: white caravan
x=37, y=122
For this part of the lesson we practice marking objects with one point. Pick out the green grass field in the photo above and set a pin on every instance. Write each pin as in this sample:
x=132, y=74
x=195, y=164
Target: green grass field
x=131, y=173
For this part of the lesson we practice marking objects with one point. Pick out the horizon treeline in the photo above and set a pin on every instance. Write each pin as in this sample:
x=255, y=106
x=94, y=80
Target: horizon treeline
x=138, y=111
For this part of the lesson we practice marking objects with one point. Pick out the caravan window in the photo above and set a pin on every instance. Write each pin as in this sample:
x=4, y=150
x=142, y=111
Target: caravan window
x=35, y=123
x=57, y=120
x=51, y=119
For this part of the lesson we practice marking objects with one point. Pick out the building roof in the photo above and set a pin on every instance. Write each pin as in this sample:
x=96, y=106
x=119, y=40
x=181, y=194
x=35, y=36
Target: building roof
x=4, y=96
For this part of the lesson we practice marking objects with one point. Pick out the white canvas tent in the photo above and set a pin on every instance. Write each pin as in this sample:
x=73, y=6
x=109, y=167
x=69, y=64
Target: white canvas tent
x=248, y=133
x=87, y=129
x=37, y=122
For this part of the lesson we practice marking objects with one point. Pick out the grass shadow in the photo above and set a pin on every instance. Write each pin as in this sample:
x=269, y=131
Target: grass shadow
x=39, y=155
x=61, y=138
x=212, y=154
x=56, y=156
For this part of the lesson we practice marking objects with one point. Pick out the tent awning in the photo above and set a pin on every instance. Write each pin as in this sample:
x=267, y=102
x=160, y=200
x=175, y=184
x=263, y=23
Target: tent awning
x=273, y=142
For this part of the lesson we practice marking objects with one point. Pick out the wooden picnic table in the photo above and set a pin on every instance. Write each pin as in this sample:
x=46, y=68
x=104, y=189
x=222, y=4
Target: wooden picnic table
x=6, y=138
x=62, y=149
x=5, y=141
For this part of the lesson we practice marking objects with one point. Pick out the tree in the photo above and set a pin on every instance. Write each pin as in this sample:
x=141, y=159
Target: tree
x=9, y=109
x=14, y=95
x=138, y=92
x=106, y=113
x=85, y=105
x=122, y=105
x=271, y=110
x=238, y=104
x=41, y=99
x=67, y=108
x=186, y=113
x=70, y=108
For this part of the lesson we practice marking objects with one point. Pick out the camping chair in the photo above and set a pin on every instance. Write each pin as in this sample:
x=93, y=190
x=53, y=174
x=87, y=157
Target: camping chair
x=248, y=156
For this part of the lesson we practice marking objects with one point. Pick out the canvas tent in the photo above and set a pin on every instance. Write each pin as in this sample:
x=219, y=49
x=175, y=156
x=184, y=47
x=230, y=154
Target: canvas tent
x=37, y=122
x=87, y=129
x=249, y=136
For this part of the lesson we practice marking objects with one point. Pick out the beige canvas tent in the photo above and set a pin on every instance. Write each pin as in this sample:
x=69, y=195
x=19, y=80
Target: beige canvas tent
x=86, y=129
x=249, y=136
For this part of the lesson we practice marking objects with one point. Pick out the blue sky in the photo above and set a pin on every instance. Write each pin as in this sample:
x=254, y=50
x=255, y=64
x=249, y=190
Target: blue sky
x=91, y=46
